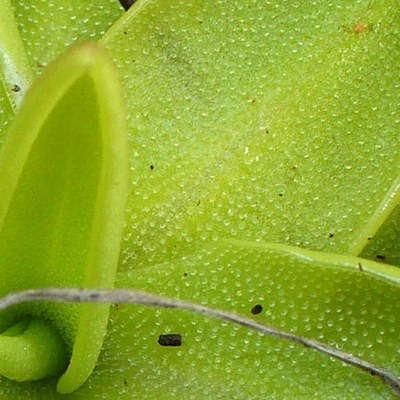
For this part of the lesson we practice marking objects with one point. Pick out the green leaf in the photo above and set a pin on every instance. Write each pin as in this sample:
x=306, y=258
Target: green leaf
x=63, y=174
x=327, y=297
x=322, y=296
x=47, y=28
x=257, y=121
x=262, y=121
x=6, y=113
x=15, y=71
x=385, y=245
x=31, y=350
x=383, y=214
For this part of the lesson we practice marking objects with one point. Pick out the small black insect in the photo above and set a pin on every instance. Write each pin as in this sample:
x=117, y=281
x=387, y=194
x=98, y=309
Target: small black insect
x=16, y=88
x=126, y=4
x=173, y=339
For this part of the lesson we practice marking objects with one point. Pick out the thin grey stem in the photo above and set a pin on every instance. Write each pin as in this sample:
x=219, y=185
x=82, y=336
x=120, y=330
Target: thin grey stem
x=131, y=296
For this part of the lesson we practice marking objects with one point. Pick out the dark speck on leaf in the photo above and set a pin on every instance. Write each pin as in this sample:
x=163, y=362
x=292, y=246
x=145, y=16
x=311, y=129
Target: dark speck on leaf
x=125, y=32
x=185, y=274
x=331, y=235
x=16, y=88
x=257, y=309
x=94, y=296
x=280, y=194
x=126, y=4
x=380, y=257
x=125, y=382
x=198, y=203
x=173, y=339
x=151, y=167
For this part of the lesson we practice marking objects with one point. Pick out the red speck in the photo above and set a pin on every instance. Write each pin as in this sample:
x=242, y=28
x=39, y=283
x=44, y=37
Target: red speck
x=359, y=28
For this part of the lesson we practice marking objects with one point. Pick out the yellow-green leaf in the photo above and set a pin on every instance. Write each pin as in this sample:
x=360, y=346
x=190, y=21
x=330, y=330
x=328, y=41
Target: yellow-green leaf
x=31, y=350
x=48, y=27
x=15, y=71
x=346, y=302
x=385, y=245
x=327, y=297
x=63, y=174
x=255, y=120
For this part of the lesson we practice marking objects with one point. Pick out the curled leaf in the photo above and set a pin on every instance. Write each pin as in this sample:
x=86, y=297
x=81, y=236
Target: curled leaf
x=331, y=303
x=63, y=176
x=31, y=350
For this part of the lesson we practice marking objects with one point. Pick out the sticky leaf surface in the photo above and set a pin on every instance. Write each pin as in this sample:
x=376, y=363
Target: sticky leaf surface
x=47, y=28
x=325, y=297
x=246, y=116
x=385, y=245
x=322, y=296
